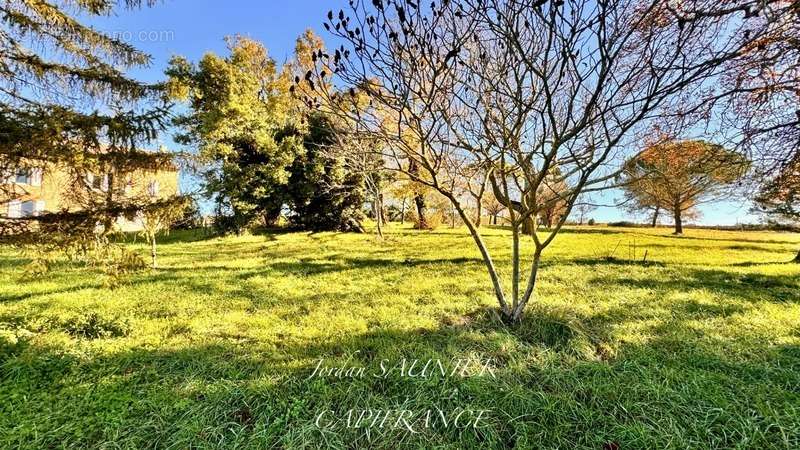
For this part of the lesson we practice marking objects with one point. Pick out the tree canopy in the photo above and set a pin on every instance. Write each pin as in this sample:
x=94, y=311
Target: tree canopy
x=523, y=87
x=676, y=176
x=261, y=149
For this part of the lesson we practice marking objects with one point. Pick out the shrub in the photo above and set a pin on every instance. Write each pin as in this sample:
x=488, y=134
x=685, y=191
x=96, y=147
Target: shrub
x=591, y=222
x=94, y=326
x=624, y=224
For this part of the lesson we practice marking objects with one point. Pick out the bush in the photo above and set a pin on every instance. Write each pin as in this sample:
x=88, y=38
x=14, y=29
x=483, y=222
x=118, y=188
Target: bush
x=94, y=326
x=625, y=224
x=191, y=217
x=591, y=222
x=434, y=220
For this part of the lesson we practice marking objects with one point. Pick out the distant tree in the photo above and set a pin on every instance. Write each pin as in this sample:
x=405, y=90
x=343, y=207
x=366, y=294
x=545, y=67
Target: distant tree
x=191, y=217
x=584, y=207
x=493, y=207
x=553, y=193
x=322, y=194
x=638, y=200
x=676, y=176
x=476, y=181
x=240, y=119
x=402, y=191
x=780, y=196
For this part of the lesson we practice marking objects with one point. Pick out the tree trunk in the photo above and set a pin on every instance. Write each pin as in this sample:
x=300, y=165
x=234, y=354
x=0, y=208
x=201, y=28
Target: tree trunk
x=479, y=201
x=377, y=210
x=383, y=209
x=678, y=221
x=419, y=199
x=153, y=251
x=516, y=314
x=271, y=216
x=108, y=221
x=422, y=222
x=487, y=259
x=529, y=226
x=403, y=212
x=655, y=217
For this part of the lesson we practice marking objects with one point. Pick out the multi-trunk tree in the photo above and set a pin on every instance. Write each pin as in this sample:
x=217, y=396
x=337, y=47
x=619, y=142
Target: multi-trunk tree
x=524, y=87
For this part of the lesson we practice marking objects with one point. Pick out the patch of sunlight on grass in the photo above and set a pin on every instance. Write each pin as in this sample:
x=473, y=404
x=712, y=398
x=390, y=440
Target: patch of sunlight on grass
x=696, y=346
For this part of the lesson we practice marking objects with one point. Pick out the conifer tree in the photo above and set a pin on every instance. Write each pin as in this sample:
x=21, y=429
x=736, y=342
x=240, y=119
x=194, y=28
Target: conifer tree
x=66, y=101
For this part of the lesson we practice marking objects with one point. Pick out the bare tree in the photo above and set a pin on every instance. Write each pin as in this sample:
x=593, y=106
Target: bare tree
x=493, y=207
x=583, y=207
x=523, y=87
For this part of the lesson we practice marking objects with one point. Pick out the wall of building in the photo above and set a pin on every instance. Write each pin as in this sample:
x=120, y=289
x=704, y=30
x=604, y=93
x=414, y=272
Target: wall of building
x=57, y=183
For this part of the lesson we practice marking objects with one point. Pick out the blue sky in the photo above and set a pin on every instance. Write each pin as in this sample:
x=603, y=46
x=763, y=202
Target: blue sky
x=194, y=27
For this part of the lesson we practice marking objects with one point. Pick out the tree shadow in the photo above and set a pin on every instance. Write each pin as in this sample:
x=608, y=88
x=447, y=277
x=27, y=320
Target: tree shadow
x=614, y=261
x=747, y=286
x=314, y=267
x=542, y=386
x=733, y=239
x=766, y=263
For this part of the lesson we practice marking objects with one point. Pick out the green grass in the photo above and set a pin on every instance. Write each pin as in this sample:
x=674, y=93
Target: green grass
x=698, y=348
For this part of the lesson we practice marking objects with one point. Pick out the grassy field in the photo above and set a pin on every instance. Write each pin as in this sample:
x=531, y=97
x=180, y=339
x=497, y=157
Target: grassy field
x=698, y=348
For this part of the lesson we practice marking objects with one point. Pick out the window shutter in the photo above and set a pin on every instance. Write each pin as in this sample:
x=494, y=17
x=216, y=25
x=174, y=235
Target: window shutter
x=14, y=209
x=36, y=177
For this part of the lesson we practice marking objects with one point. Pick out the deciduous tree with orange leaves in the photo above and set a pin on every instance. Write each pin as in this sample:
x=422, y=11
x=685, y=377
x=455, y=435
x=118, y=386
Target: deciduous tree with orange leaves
x=678, y=175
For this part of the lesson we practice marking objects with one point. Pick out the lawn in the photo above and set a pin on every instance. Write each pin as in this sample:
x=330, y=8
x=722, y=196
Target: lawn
x=698, y=347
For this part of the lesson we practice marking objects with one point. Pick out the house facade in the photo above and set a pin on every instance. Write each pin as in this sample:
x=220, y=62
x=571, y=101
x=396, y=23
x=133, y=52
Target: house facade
x=35, y=190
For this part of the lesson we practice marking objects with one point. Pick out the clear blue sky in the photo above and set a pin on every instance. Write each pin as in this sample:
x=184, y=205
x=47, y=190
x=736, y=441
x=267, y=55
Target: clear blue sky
x=194, y=27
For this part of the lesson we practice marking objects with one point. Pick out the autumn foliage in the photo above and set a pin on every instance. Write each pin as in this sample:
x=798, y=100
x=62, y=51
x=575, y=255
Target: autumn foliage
x=676, y=176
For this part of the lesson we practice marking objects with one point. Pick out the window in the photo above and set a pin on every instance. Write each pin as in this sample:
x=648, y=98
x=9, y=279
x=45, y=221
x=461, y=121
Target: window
x=97, y=182
x=28, y=208
x=128, y=186
x=18, y=208
x=36, y=176
x=31, y=208
x=152, y=188
x=24, y=176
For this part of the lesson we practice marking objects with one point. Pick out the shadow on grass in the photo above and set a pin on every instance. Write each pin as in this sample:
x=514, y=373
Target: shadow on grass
x=767, y=263
x=746, y=286
x=313, y=267
x=613, y=261
x=542, y=387
x=733, y=239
